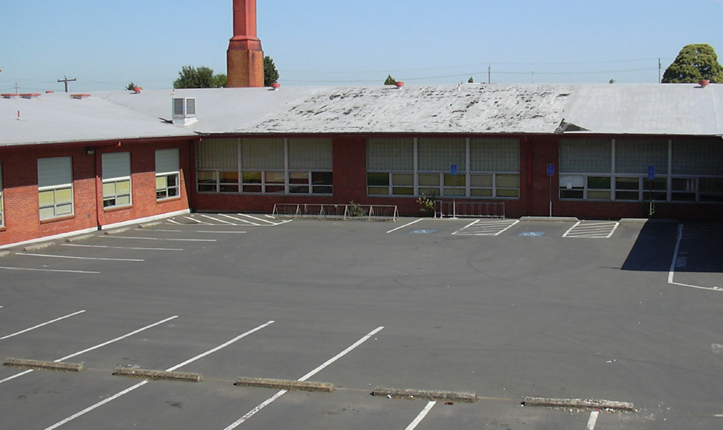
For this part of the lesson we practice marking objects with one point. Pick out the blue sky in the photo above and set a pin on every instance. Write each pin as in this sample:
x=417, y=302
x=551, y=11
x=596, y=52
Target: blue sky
x=106, y=44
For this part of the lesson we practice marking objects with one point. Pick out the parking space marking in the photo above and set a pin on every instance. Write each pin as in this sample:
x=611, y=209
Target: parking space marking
x=199, y=231
x=71, y=257
x=421, y=416
x=592, y=230
x=486, y=227
x=270, y=400
x=243, y=221
x=84, y=272
x=41, y=325
x=77, y=245
x=403, y=226
x=677, y=258
x=593, y=420
x=162, y=239
x=144, y=382
x=96, y=346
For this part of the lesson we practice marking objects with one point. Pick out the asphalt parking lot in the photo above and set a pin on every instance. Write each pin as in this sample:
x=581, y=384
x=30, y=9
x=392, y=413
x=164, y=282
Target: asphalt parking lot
x=505, y=309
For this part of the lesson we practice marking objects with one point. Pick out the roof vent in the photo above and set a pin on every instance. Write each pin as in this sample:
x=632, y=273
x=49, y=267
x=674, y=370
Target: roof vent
x=137, y=90
x=184, y=111
x=80, y=96
x=30, y=95
x=704, y=82
x=399, y=84
x=8, y=95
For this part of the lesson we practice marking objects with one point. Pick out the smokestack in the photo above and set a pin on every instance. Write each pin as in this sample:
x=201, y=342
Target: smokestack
x=244, y=58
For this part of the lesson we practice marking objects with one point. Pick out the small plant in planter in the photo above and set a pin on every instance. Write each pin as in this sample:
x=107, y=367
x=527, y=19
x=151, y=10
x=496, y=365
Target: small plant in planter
x=356, y=210
x=426, y=204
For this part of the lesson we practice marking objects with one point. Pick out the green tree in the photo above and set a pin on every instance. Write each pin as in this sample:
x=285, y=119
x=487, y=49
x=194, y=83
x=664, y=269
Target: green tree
x=390, y=80
x=131, y=86
x=693, y=63
x=202, y=77
x=271, y=75
x=470, y=80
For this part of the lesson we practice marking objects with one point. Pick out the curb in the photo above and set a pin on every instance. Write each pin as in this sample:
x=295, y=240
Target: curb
x=578, y=404
x=118, y=230
x=425, y=394
x=39, y=246
x=4, y=253
x=79, y=238
x=284, y=384
x=44, y=365
x=158, y=374
x=150, y=224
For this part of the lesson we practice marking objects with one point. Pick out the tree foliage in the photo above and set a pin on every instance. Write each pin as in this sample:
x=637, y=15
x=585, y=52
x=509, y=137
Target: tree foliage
x=390, y=80
x=131, y=86
x=271, y=75
x=202, y=77
x=693, y=63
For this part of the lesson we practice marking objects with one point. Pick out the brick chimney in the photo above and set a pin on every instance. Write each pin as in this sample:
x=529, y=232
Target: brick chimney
x=244, y=58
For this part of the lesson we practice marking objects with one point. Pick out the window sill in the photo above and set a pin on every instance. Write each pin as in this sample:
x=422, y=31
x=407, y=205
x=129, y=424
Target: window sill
x=52, y=220
x=117, y=208
x=168, y=199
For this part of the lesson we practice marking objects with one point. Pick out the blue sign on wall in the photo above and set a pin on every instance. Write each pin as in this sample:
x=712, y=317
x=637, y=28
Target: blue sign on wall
x=651, y=172
x=453, y=169
x=550, y=169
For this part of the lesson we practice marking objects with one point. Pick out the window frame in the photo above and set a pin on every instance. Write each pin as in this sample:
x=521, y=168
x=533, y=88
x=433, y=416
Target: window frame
x=56, y=189
x=168, y=184
x=116, y=180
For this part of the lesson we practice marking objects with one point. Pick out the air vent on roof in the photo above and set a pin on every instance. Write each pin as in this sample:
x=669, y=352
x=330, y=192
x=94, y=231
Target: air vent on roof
x=30, y=95
x=8, y=95
x=184, y=111
x=80, y=96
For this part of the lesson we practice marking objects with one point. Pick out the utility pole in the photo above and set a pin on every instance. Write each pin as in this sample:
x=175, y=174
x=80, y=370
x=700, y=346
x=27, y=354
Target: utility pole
x=659, y=67
x=489, y=74
x=65, y=80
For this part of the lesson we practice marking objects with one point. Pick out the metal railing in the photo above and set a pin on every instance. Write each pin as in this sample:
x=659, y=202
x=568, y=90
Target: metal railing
x=469, y=209
x=337, y=211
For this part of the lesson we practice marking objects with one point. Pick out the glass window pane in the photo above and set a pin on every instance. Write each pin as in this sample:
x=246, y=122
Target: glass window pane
x=322, y=190
x=65, y=209
x=275, y=178
x=627, y=195
x=378, y=191
x=123, y=200
x=403, y=191
x=403, y=179
x=229, y=188
x=109, y=189
x=161, y=182
x=322, y=178
x=390, y=154
x=172, y=180
x=684, y=184
x=571, y=193
x=251, y=178
x=454, y=180
x=228, y=177
x=46, y=198
x=598, y=183
x=123, y=187
x=298, y=177
x=481, y=181
x=508, y=181
x=627, y=183
x=598, y=195
x=377, y=178
x=46, y=213
x=429, y=179
x=429, y=191
x=63, y=195
x=299, y=189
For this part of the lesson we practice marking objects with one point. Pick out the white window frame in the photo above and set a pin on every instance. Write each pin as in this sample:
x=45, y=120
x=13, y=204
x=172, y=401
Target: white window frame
x=58, y=208
x=445, y=185
x=171, y=174
x=112, y=198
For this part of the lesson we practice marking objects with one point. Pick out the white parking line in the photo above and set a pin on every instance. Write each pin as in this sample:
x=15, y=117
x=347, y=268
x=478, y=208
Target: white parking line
x=85, y=272
x=70, y=257
x=144, y=382
x=270, y=400
x=674, y=264
x=240, y=220
x=95, y=347
x=216, y=219
x=122, y=247
x=593, y=420
x=405, y=225
x=41, y=325
x=158, y=238
x=486, y=227
x=592, y=230
x=421, y=416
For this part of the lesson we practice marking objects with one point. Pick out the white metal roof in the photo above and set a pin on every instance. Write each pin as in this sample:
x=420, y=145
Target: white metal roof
x=670, y=109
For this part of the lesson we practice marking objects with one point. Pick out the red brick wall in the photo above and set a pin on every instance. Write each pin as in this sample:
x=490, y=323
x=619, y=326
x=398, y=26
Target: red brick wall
x=20, y=189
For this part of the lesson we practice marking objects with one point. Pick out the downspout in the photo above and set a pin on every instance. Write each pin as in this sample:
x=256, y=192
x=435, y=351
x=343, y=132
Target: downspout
x=529, y=176
x=98, y=191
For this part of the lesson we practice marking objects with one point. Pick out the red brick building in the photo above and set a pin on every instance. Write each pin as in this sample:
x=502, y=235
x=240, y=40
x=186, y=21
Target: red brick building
x=73, y=164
